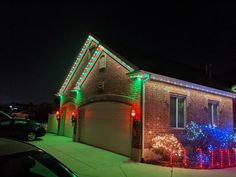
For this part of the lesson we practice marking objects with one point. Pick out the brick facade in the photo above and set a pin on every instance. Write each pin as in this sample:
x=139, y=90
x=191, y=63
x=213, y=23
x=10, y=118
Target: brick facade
x=113, y=83
x=157, y=110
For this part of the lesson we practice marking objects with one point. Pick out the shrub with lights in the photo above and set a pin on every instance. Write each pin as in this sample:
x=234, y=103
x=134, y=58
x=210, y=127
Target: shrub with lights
x=168, y=148
x=203, y=146
x=212, y=147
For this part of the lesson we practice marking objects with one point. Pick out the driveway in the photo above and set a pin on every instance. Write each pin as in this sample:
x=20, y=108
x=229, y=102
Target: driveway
x=89, y=161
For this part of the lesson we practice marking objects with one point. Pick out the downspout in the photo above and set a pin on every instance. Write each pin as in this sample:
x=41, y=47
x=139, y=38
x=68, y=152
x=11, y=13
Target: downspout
x=143, y=114
x=143, y=118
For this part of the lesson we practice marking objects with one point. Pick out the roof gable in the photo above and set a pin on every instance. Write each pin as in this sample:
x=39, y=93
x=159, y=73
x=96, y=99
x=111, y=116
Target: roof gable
x=93, y=60
x=77, y=63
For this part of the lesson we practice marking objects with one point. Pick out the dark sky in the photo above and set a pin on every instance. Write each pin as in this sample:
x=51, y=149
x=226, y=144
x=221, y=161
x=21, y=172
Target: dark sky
x=40, y=40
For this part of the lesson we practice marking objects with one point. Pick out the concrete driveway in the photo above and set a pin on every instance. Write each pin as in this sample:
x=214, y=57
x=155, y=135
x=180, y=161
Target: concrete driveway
x=89, y=161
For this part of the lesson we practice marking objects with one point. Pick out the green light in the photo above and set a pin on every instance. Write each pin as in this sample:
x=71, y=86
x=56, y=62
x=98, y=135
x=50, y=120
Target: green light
x=234, y=89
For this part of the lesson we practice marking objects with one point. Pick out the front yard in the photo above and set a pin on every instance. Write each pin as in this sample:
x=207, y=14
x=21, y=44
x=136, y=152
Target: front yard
x=89, y=161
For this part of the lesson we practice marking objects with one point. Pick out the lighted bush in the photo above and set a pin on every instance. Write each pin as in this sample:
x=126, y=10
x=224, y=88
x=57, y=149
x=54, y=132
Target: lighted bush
x=165, y=144
x=208, y=137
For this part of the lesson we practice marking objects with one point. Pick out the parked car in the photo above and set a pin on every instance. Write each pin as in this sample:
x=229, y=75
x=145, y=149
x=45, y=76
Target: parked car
x=22, y=159
x=21, y=128
x=4, y=116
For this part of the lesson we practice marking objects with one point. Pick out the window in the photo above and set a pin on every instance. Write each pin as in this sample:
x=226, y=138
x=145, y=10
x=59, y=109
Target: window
x=102, y=62
x=177, y=115
x=212, y=113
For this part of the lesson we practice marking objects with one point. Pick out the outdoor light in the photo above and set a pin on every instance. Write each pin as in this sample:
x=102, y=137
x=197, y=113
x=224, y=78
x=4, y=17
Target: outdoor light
x=58, y=115
x=73, y=118
x=133, y=113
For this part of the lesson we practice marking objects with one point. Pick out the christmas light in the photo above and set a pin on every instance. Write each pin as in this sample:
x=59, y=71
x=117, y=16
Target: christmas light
x=234, y=88
x=201, y=158
x=212, y=158
x=221, y=158
x=189, y=85
x=93, y=60
x=171, y=157
x=167, y=142
x=228, y=157
x=185, y=157
x=76, y=63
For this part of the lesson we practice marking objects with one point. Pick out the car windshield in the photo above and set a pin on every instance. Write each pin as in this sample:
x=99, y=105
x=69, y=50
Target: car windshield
x=33, y=163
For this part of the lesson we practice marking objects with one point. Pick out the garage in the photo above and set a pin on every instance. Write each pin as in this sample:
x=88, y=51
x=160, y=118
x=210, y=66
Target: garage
x=106, y=125
x=66, y=128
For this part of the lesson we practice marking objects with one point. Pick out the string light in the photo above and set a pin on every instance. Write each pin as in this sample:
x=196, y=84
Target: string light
x=201, y=158
x=166, y=143
x=221, y=158
x=212, y=158
x=190, y=85
x=76, y=63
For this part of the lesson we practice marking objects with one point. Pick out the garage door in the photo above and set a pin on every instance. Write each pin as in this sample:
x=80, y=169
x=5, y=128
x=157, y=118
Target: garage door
x=106, y=125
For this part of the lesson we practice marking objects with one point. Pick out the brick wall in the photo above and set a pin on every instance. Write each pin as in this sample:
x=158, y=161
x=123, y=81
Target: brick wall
x=157, y=109
x=117, y=86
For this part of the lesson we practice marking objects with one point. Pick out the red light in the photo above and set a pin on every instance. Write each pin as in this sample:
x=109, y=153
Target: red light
x=228, y=155
x=212, y=158
x=221, y=158
x=185, y=158
x=133, y=113
x=73, y=113
x=57, y=113
x=171, y=157
x=200, y=152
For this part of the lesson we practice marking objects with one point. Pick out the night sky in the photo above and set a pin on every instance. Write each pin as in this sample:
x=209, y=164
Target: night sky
x=40, y=40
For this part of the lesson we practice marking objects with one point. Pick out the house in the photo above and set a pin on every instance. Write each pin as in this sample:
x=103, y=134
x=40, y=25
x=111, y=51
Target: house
x=121, y=108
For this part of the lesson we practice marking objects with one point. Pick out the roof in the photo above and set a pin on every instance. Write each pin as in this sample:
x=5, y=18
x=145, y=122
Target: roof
x=168, y=69
x=181, y=83
x=8, y=146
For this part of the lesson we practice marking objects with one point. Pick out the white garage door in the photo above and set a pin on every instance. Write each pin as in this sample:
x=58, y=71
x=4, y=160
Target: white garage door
x=106, y=125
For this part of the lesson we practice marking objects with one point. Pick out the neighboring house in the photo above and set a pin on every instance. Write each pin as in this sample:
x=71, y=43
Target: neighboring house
x=121, y=108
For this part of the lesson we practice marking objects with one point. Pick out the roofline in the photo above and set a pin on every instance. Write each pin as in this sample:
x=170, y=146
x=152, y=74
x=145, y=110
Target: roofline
x=93, y=60
x=114, y=52
x=77, y=62
x=182, y=83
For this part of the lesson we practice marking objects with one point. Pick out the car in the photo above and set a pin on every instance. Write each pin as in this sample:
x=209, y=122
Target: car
x=4, y=116
x=22, y=159
x=21, y=129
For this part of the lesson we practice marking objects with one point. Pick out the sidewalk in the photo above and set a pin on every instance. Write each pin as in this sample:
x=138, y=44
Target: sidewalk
x=89, y=161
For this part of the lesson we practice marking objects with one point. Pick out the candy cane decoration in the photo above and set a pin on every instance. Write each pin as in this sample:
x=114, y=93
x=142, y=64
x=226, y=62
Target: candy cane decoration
x=212, y=158
x=221, y=158
x=171, y=157
x=200, y=151
x=228, y=156
x=185, y=157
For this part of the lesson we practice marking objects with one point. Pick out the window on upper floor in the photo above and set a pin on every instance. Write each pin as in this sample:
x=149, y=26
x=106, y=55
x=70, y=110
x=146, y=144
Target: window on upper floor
x=177, y=111
x=102, y=62
x=212, y=113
